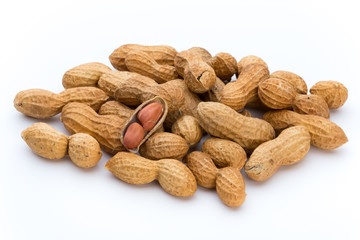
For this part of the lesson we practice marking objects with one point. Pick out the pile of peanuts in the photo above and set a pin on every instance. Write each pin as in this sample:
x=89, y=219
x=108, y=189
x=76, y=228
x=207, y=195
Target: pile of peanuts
x=158, y=104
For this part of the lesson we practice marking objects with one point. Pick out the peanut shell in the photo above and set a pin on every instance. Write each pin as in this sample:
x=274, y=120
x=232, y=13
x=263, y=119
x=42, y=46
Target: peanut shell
x=251, y=59
x=311, y=104
x=188, y=128
x=84, y=150
x=334, y=93
x=293, y=79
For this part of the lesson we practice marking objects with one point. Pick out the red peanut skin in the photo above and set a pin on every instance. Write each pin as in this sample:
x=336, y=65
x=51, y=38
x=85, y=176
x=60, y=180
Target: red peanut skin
x=150, y=115
x=134, y=135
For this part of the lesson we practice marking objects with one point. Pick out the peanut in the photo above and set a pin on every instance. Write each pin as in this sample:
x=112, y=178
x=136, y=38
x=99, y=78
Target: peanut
x=222, y=121
x=292, y=78
x=47, y=142
x=324, y=133
x=142, y=63
x=251, y=59
x=85, y=75
x=228, y=181
x=334, y=93
x=39, y=103
x=133, y=136
x=162, y=54
x=276, y=93
x=174, y=177
x=116, y=108
x=150, y=115
x=188, y=128
x=164, y=145
x=224, y=153
x=288, y=148
x=198, y=75
x=106, y=129
x=237, y=94
x=224, y=65
x=180, y=63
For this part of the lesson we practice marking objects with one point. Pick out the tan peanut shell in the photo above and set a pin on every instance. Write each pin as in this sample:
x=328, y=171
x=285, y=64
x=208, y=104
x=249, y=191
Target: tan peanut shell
x=198, y=75
x=162, y=54
x=334, y=93
x=222, y=121
x=164, y=145
x=109, y=82
x=276, y=93
x=214, y=94
x=236, y=94
x=106, y=129
x=228, y=181
x=84, y=150
x=173, y=176
x=224, y=153
x=133, y=118
x=116, y=108
x=292, y=78
x=288, y=148
x=84, y=75
x=324, y=133
x=46, y=141
x=180, y=62
x=39, y=103
x=142, y=63
x=311, y=104
x=224, y=65
x=251, y=59
x=188, y=128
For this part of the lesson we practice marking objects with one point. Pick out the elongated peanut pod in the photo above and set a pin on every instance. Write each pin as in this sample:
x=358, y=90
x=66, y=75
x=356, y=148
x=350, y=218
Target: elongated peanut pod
x=39, y=103
x=222, y=121
x=173, y=176
x=116, y=108
x=228, y=181
x=324, y=133
x=288, y=148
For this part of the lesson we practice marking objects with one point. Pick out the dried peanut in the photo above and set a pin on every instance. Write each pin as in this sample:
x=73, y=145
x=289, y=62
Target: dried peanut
x=162, y=54
x=198, y=75
x=334, y=93
x=222, y=121
x=150, y=115
x=236, y=94
x=180, y=62
x=49, y=143
x=133, y=136
x=188, y=128
x=39, y=103
x=142, y=63
x=164, y=145
x=106, y=129
x=224, y=153
x=174, y=177
x=292, y=78
x=116, y=108
x=288, y=148
x=276, y=93
x=324, y=133
x=84, y=75
x=228, y=181
x=224, y=65
x=251, y=59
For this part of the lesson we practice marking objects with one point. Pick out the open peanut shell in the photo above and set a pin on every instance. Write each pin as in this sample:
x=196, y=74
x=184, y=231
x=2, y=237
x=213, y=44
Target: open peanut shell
x=158, y=126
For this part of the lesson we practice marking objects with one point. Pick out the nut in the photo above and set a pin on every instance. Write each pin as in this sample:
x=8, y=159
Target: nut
x=39, y=103
x=251, y=59
x=288, y=148
x=164, y=145
x=334, y=93
x=311, y=104
x=150, y=115
x=228, y=181
x=174, y=177
x=224, y=65
x=116, y=108
x=236, y=94
x=84, y=150
x=188, y=128
x=162, y=54
x=292, y=78
x=222, y=121
x=224, y=153
x=133, y=136
x=324, y=133
x=84, y=75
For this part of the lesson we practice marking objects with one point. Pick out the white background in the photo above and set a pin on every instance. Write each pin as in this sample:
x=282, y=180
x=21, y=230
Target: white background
x=317, y=198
